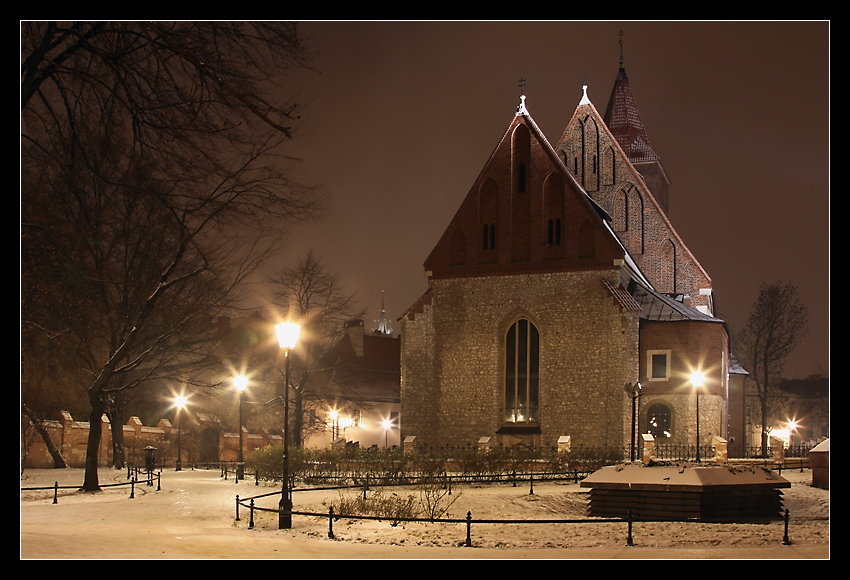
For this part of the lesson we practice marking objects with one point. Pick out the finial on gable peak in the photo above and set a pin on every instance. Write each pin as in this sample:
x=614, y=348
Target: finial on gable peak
x=521, y=110
x=584, y=98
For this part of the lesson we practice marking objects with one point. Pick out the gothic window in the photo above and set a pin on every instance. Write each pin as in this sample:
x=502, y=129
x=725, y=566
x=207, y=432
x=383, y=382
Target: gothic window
x=658, y=421
x=522, y=372
x=521, y=178
x=488, y=217
x=553, y=237
x=553, y=211
x=620, y=212
x=488, y=235
x=668, y=267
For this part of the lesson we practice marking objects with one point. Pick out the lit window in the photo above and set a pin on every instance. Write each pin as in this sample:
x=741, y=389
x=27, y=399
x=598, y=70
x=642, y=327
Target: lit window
x=522, y=372
x=658, y=421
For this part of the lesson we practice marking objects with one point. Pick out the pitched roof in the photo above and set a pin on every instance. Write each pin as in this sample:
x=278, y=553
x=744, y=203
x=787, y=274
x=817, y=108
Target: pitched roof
x=438, y=264
x=624, y=122
x=663, y=307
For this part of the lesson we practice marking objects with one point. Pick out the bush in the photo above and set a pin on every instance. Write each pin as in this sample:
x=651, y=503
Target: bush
x=392, y=507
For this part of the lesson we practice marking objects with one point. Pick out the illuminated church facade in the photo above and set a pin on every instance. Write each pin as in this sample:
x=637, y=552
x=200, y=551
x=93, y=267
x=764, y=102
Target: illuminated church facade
x=559, y=285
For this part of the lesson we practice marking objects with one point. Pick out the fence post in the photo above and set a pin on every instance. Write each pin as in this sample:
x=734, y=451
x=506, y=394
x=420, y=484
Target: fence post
x=630, y=542
x=158, y=480
x=331, y=522
x=251, y=521
x=531, y=481
x=785, y=539
x=133, y=487
x=55, y=492
x=468, y=529
x=237, y=507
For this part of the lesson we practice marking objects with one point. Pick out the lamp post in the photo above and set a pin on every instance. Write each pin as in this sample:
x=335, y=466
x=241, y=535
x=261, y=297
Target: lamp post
x=334, y=416
x=387, y=424
x=697, y=379
x=633, y=392
x=287, y=336
x=241, y=382
x=180, y=401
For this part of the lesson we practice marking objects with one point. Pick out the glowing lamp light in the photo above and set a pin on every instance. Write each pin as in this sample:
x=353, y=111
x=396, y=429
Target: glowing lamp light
x=287, y=334
x=697, y=379
x=241, y=382
x=180, y=401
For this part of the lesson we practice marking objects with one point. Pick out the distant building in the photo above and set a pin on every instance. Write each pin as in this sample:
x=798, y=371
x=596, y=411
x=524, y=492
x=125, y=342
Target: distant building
x=558, y=285
x=356, y=394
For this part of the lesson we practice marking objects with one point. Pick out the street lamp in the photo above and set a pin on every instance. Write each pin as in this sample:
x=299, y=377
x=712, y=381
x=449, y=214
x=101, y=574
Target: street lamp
x=387, y=425
x=180, y=402
x=697, y=379
x=241, y=382
x=634, y=393
x=334, y=416
x=287, y=336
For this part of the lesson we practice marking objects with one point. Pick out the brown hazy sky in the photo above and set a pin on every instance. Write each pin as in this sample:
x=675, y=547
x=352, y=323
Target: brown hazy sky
x=403, y=116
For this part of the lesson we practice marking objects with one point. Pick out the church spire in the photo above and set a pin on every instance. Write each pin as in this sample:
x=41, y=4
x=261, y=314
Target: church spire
x=624, y=122
x=623, y=119
x=382, y=326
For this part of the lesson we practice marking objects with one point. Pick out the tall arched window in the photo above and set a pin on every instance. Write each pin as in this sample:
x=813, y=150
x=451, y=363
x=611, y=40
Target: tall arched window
x=522, y=373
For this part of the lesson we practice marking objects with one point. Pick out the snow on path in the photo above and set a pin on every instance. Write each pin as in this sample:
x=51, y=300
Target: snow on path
x=193, y=517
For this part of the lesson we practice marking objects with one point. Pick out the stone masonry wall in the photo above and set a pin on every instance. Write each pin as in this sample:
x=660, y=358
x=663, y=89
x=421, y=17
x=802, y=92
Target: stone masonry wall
x=453, y=359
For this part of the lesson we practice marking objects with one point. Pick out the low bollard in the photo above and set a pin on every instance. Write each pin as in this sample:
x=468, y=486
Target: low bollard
x=331, y=522
x=251, y=521
x=468, y=529
x=237, y=507
x=133, y=487
x=630, y=542
x=785, y=539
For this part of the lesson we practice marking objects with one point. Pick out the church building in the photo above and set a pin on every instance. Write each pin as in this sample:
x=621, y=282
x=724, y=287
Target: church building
x=559, y=286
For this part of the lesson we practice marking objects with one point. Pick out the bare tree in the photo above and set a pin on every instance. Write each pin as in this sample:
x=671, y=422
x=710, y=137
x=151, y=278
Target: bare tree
x=312, y=296
x=154, y=180
x=777, y=324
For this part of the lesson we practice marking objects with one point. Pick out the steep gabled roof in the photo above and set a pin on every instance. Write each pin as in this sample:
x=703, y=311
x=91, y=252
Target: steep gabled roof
x=547, y=163
x=586, y=108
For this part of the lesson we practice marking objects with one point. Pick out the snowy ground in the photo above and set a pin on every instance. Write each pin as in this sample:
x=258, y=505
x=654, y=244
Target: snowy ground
x=193, y=517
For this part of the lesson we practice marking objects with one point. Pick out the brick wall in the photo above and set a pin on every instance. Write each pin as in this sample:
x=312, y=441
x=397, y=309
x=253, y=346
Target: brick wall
x=71, y=438
x=589, y=150
x=693, y=346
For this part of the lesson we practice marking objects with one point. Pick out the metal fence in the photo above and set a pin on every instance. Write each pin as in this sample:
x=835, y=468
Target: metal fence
x=628, y=521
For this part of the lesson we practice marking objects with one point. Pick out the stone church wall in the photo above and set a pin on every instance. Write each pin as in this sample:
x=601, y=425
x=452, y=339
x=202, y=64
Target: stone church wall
x=453, y=359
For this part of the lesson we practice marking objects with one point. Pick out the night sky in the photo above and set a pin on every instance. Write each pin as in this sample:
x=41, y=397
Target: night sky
x=402, y=117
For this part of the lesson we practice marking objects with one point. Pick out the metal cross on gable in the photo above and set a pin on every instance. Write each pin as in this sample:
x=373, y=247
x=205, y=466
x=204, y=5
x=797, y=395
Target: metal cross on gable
x=521, y=86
